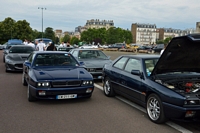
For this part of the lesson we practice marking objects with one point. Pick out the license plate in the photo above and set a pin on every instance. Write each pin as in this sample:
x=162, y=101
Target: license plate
x=66, y=96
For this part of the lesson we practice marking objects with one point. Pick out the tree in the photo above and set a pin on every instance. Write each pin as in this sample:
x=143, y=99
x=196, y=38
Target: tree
x=22, y=30
x=49, y=33
x=66, y=38
x=7, y=29
x=74, y=40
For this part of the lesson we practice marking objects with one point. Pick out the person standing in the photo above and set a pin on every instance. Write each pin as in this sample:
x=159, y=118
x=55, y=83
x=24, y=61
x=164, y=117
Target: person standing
x=31, y=44
x=25, y=42
x=62, y=44
x=51, y=47
x=41, y=46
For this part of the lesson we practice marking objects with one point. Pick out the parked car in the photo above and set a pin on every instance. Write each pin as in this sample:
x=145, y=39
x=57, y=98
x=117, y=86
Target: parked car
x=167, y=86
x=13, y=42
x=66, y=49
x=88, y=46
x=3, y=46
x=93, y=59
x=55, y=75
x=144, y=49
x=7, y=47
x=118, y=45
x=15, y=57
x=45, y=40
x=157, y=48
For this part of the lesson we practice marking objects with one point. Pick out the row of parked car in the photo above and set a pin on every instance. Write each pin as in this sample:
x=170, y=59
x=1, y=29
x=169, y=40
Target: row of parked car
x=139, y=48
x=168, y=86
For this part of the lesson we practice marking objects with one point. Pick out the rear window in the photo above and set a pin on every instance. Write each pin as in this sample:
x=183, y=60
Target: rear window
x=55, y=60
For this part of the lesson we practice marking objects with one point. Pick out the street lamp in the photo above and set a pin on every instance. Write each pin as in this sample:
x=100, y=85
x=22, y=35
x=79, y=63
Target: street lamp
x=42, y=8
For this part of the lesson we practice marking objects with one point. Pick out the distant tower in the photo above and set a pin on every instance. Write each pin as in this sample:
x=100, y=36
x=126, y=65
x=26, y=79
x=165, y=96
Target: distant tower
x=198, y=27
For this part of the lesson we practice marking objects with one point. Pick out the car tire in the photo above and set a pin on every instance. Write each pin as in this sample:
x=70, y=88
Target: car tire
x=155, y=109
x=107, y=87
x=29, y=95
x=6, y=69
x=24, y=80
x=3, y=60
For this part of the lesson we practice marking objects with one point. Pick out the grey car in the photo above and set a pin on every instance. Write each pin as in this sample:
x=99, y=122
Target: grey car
x=93, y=59
x=15, y=57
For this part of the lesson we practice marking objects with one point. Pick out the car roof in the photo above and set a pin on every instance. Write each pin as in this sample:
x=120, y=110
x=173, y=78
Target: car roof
x=50, y=52
x=20, y=45
x=143, y=56
x=82, y=49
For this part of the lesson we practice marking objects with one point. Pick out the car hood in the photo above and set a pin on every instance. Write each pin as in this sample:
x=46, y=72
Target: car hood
x=98, y=63
x=61, y=73
x=17, y=57
x=181, y=55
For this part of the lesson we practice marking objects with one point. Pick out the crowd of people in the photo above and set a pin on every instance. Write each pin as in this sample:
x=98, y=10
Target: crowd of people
x=41, y=46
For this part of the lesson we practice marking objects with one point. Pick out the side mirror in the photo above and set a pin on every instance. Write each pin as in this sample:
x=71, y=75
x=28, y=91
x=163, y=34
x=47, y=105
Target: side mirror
x=28, y=64
x=81, y=63
x=136, y=72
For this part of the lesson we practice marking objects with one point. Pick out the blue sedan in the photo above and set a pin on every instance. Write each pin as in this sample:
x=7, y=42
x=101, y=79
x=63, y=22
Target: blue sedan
x=167, y=86
x=55, y=75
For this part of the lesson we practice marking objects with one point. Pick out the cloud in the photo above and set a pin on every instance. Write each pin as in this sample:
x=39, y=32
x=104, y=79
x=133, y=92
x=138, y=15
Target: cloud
x=67, y=15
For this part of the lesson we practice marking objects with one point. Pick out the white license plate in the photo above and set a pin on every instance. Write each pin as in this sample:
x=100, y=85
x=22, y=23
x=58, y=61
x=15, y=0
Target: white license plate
x=66, y=96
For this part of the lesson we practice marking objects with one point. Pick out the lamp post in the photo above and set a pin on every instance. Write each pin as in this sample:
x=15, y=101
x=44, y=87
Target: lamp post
x=42, y=8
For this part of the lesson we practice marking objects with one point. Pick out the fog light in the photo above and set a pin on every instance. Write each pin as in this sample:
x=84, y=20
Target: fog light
x=42, y=93
x=190, y=113
x=89, y=90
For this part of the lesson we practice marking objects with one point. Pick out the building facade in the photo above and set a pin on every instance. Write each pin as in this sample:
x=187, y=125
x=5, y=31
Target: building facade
x=144, y=33
x=97, y=24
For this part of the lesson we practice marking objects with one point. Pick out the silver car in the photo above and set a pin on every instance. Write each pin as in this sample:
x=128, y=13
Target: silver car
x=93, y=60
x=15, y=57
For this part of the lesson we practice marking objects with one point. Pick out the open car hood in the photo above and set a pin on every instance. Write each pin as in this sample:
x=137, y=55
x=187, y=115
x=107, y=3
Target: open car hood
x=181, y=55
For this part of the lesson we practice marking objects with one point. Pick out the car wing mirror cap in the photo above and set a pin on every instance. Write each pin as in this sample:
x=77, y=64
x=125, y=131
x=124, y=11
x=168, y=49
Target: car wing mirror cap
x=136, y=72
x=27, y=64
x=81, y=63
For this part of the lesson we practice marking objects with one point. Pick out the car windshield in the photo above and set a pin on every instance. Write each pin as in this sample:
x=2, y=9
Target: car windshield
x=91, y=54
x=54, y=59
x=21, y=50
x=149, y=65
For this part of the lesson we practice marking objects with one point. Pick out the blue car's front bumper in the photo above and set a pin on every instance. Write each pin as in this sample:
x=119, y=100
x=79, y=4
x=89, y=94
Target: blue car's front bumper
x=178, y=112
x=53, y=93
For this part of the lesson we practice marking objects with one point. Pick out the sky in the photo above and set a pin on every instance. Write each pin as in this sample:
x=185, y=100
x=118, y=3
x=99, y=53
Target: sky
x=68, y=14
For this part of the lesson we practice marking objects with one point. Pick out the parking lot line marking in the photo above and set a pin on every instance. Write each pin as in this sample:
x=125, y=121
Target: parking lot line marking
x=169, y=123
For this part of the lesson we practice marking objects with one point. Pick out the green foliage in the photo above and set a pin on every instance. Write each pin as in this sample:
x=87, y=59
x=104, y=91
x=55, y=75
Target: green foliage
x=57, y=41
x=49, y=33
x=74, y=40
x=7, y=30
x=66, y=38
x=160, y=42
x=166, y=41
x=116, y=35
x=10, y=29
x=110, y=36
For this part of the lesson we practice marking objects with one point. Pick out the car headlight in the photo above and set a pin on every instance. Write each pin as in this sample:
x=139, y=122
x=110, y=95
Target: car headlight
x=87, y=82
x=43, y=84
x=8, y=60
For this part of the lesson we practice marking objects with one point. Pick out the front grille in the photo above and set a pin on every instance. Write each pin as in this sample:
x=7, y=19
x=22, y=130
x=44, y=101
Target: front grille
x=66, y=83
x=18, y=66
